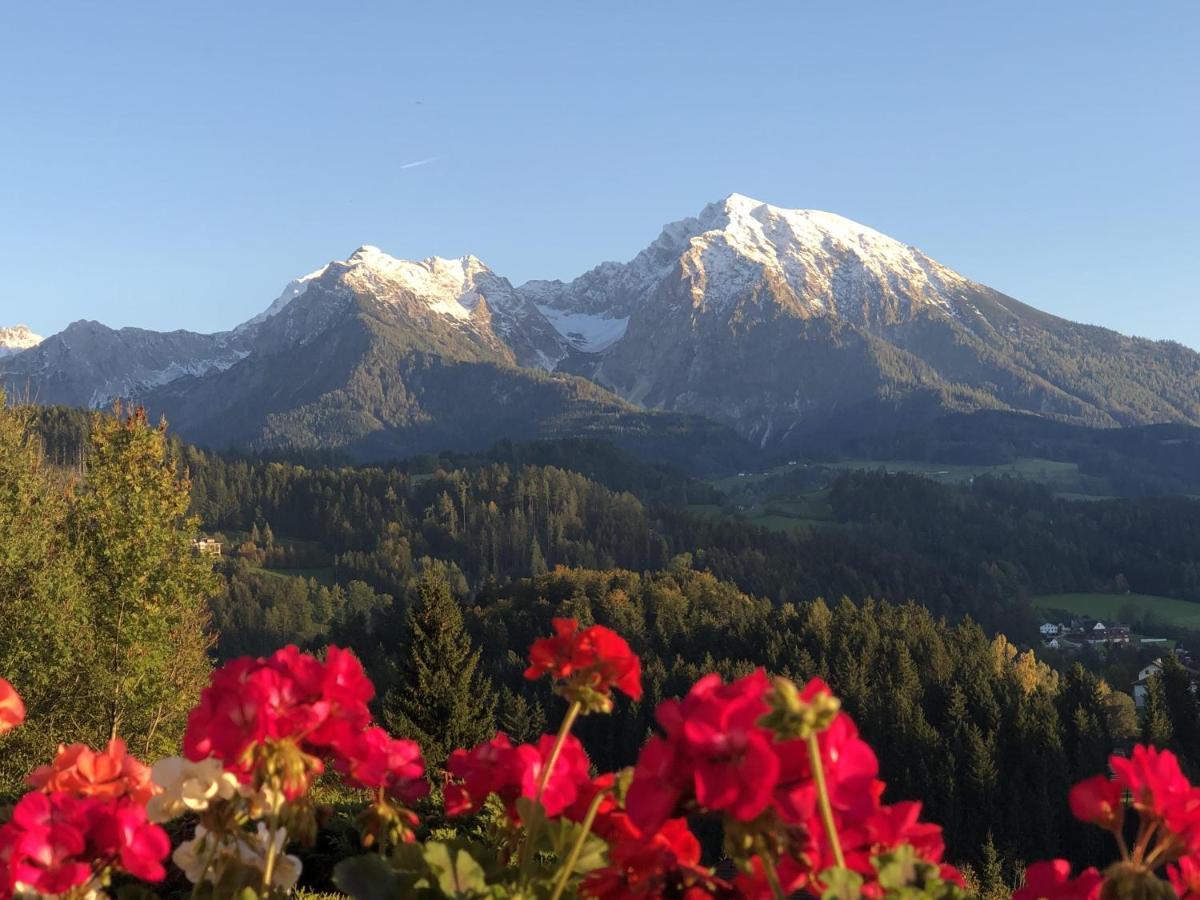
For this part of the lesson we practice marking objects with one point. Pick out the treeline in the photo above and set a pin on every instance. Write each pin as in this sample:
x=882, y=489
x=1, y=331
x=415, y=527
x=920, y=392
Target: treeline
x=978, y=549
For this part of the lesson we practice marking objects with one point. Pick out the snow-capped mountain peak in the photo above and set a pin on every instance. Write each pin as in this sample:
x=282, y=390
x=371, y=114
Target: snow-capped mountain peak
x=449, y=286
x=17, y=338
x=814, y=262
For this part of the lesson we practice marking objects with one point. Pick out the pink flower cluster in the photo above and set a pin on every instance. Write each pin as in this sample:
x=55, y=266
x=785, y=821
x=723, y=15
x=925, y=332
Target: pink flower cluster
x=59, y=840
x=318, y=709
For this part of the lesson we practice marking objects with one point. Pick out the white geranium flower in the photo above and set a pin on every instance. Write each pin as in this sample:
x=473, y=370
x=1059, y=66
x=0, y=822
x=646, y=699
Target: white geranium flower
x=188, y=786
x=191, y=855
x=287, y=867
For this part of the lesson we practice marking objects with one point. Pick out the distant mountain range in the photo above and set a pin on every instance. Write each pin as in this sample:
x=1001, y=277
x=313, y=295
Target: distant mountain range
x=775, y=325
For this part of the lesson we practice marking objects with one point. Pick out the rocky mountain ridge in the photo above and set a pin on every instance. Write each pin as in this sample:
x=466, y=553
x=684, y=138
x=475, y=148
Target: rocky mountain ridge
x=778, y=324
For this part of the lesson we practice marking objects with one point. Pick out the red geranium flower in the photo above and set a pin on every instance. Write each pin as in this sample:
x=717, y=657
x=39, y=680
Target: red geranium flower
x=319, y=708
x=394, y=764
x=851, y=775
x=612, y=821
x=12, y=710
x=1185, y=878
x=1051, y=880
x=1098, y=801
x=477, y=773
x=596, y=659
x=122, y=834
x=754, y=885
x=77, y=769
x=714, y=750
x=45, y=841
x=666, y=865
x=1154, y=779
x=497, y=767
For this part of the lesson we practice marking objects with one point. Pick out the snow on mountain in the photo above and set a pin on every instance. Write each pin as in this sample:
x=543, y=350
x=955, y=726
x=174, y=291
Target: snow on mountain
x=830, y=264
x=463, y=291
x=586, y=332
x=17, y=338
x=452, y=287
x=293, y=290
x=830, y=260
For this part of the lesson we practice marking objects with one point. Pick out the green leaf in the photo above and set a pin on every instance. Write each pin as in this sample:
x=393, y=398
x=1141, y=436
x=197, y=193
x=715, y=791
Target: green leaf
x=898, y=868
x=457, y=872
x=841, y=884
x=562, y=835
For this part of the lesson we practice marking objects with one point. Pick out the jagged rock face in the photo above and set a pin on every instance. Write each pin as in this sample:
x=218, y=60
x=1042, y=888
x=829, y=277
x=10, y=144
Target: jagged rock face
x=776, y=323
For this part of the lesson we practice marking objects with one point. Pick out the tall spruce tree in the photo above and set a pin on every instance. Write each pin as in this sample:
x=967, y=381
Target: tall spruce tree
x=442, y=700
x=145, y=588
x=1182, y=709
x=1156, y=717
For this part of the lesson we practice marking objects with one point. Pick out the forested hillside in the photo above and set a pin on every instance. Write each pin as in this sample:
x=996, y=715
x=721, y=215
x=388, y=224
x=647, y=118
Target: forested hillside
x=980, y=549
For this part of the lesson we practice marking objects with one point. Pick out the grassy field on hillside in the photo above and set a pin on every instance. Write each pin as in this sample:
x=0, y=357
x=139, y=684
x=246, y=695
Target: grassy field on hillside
x=796, y=494
x=323, y=575
x=1109, y=606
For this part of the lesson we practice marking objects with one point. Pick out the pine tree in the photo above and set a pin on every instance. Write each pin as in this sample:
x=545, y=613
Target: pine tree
x=522, y=720
x=1182, y=708
x=442, y=700
x=537, y=562
x=991, y=873
x=146, y=591
x=1156, y=720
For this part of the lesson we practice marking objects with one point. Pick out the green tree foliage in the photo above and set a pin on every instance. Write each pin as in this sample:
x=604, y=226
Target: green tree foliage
x=441, y=697
x=104, y=605
x=43, y=631
x=146, y=590
x=1181, y=707
x=1156, y=718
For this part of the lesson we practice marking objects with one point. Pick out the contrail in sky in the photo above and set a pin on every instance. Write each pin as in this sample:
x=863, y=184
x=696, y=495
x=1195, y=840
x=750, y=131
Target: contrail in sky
x=419, y=162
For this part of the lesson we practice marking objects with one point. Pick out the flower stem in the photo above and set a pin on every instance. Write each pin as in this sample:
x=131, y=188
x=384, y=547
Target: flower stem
x=573, y=857
x=208, y=864
x=1146, y=832
x=818, y=773
x=559, y=740
x=543, y=779
x=772, y=876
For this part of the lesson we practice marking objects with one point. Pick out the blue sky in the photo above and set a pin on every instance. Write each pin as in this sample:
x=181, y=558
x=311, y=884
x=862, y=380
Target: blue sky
x=174, y=165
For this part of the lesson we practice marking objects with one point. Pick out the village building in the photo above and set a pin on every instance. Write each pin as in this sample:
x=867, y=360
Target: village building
x=206, y=547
